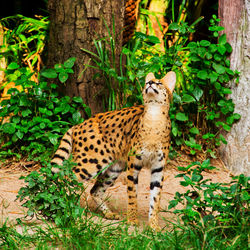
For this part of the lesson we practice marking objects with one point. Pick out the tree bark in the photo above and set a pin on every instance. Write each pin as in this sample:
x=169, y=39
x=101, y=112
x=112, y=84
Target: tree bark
x=235, y=17
x=73, y=25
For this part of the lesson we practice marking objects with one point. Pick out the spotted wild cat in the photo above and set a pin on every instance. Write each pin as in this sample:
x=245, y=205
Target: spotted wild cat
x=139, y=136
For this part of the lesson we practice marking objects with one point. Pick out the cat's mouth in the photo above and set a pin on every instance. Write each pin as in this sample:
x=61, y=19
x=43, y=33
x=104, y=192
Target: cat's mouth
x=150, y=89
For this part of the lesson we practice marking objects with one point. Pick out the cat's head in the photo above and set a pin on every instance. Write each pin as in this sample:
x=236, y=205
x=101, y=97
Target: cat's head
x=159, y=90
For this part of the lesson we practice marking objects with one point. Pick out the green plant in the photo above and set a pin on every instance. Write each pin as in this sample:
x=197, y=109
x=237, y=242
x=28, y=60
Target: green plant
x=222, y=206
x=24, y=40
x=54, y=196
x=201, y=109
x=35, y=118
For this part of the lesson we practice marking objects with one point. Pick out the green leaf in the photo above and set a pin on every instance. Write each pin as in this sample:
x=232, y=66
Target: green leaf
x=222, y=138
x=209, y=55
x=19, y=134
x=13, y=65
x=204, y=43
x=77, y=99
x=226, y=127
x=53, y=138
x=192, y=45
x=76, y=117
x=223, y=39
x=194, y=57
x=228, y=48
x=236, y=116
x=59, y=66
x=26, y=112
x=173, y=26
x=42, y=125
x=202, y=74
x=181, y=117
x=9, y=128
x=219, y=68
x=217, y=85
x=174, y=131
x=49, y=73
x=213, y=76
x=221, y=49
x=194, y=130
x=70, y=62
x=226, y=91
x=63, y=77
x=188, y=98
x=153, y=39
x=197, y=92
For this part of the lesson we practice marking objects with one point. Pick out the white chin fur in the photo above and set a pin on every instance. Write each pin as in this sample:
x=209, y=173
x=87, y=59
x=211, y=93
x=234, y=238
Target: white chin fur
x=150, y=91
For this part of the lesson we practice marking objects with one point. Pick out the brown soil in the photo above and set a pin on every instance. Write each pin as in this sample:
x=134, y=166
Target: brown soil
x=10, y=184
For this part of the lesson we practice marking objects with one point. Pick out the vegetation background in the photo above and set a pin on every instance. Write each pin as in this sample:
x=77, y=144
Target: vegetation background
x=72, y=60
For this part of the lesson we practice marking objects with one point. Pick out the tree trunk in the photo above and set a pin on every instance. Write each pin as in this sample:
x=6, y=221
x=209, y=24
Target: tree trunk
x=73, y=25
x=235, y=17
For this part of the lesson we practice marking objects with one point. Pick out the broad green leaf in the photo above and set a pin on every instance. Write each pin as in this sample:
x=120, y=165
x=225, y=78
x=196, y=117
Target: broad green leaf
x=77, y=99
x=49, y=73
x=9, y=128
x=153, y=39
x=53, y=138
x=226, y=127
x=59, y=66
x=226, y=91
x=221, y=49
x=213, y=76
x=181, y=117
x=188, y=98
x=222, y=138
x=236, y=116
x=223, y=39
x=26, y=112
x=218, y=57
x=173, y=26
x=176, y=98
x=209, y=55
x=194, y=130
x=192, y=45
x=204, y=43
x=13, y=65
x=63, y=77
x=219, y=68
x=197, y=92
x=228, y=48
x=76, y=117
x=174, y=131
x=202, y=74
x=70, y=62
x=42, y=125
x=217, y=85
x=193, y=57
x=19, y=134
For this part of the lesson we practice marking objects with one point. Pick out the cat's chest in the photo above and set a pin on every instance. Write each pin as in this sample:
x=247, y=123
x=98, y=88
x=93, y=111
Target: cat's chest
x=153, y=128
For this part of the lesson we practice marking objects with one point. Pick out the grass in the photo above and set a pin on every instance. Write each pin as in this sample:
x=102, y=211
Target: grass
x=88, y=234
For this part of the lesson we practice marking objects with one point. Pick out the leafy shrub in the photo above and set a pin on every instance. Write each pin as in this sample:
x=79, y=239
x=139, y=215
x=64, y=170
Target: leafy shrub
x=54, y=196
x=37, y=116
x=200, y=110
x=24, y=40
x=222, y=206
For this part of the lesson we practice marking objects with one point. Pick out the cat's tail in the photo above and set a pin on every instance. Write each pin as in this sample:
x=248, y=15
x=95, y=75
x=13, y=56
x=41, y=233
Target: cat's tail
x=64, y=150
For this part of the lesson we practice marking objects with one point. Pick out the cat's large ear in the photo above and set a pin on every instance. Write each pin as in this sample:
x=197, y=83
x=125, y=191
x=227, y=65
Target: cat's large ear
x=150, y=76
x=169, y=80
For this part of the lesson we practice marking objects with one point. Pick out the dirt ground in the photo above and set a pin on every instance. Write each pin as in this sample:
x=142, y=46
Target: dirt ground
x=10, y=184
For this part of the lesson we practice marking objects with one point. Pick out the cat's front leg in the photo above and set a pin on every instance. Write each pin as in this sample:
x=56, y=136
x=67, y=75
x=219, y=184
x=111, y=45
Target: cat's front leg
x=156, y=183
x=134, y=167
